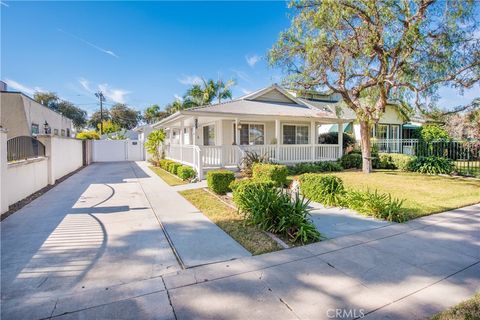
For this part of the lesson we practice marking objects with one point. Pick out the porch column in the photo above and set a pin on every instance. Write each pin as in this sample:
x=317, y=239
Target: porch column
x=237, y=132
x=313, y=137
x=194, y=131
x=340, y=139
x=277, y=137
x=182, y=138
x=219, y=140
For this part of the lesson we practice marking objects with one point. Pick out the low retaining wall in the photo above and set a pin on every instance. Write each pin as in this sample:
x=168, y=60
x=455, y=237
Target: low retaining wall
x=26, y=177
x=20, y=179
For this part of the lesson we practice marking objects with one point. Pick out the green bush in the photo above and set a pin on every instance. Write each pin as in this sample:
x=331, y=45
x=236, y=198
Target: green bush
x=377, y=205
x=432, y=165
x=433, y=132
x=308, y=167
x=173, y=167
x=274, y=210
x=185, y=172
x=250, y=159
x=219, y=181
x=325, y=189
x=351, y=160
x=394, y=161
x=271, y=172
x=332, y=138
x=165, y=163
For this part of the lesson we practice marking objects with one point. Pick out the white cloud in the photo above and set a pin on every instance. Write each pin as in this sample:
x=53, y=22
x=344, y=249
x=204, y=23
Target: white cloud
x=113, y=94
x=190, y=80
x=177, y=97
x=109, y=52
x=252, y=60
x=21, y=87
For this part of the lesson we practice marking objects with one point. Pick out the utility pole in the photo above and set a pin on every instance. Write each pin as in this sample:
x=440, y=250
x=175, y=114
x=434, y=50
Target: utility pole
x=100, y=97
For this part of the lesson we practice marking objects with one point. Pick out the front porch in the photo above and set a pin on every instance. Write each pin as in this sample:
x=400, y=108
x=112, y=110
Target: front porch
x=205, y=143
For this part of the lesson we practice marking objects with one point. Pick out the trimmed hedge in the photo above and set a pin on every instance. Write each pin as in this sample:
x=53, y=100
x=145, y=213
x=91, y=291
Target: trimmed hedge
x=173, y=167
x=219, y=181
x=165, y=163
x=185, y=172
x=308, y=167
x=270, y=172
x=394, y=161
x=351, y=160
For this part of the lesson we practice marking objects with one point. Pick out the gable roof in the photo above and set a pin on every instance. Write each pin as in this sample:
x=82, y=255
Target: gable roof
x=267, y=102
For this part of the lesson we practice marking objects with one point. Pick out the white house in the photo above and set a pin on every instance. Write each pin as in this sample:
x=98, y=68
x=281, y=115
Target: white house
x=272, y=121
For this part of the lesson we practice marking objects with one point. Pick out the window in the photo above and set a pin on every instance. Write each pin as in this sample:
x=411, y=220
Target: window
x=293, y=134
x=252, y=134
x=55, y=132
x=63, y=132
x=35, y=129
x=382, y=131
x=209, y=136
x=68, y=132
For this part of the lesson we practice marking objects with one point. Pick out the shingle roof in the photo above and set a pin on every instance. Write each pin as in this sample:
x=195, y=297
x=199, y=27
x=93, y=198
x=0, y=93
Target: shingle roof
x=253, y=107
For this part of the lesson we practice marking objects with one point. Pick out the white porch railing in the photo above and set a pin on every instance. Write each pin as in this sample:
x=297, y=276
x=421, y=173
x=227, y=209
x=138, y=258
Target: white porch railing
x=200, y=157
x=405, y=146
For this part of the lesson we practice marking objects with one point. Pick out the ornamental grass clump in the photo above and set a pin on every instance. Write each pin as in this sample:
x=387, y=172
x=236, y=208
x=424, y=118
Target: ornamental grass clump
x=325, y=189
x=275, y=210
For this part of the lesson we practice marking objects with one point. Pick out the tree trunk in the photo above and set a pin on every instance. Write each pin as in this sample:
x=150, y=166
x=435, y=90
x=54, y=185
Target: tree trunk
x=366, y=146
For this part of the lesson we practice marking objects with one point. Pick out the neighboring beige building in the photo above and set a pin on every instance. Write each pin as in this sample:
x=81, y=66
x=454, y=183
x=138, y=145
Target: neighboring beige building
x=23, y=116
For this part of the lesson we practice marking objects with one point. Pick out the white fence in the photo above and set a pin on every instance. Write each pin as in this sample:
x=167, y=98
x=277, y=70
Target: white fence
x=405, y=146
x=200, y=157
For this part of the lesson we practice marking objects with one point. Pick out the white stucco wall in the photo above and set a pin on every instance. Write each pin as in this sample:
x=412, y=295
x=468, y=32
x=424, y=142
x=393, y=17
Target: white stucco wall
x=26, y=177
x=66, y=156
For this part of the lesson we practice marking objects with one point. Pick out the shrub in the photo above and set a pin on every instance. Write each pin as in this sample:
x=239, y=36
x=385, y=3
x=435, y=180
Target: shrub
x=173, y=167
x=164, y=163
x=325, y=189
x=394, y=161
x=332, y=138
x=153, y=143
x=323, y=166
x=271, y=172
x=351, y=160
x=185, y=172
x=432, y=165
x=219, y=181
x=251, y=158
x=377, y=205
x=432, y=132
x=274, y=210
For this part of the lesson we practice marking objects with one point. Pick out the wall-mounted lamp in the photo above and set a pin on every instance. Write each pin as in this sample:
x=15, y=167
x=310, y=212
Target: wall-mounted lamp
x=196, y=123
x=46, y=127
x=239, y=126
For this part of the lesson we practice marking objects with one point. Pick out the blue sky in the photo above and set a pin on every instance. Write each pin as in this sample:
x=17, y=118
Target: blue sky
x=142, y=53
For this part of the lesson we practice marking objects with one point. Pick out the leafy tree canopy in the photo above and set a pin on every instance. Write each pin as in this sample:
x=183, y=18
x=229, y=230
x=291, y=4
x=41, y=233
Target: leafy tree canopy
x=65, y=108
x=124, y=116
x=153, y=114
x=374, y=52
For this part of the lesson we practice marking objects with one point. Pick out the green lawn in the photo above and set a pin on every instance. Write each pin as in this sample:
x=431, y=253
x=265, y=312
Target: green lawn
x=469, y=309
x=167, y=176
x=423, y=194
x=231, y=221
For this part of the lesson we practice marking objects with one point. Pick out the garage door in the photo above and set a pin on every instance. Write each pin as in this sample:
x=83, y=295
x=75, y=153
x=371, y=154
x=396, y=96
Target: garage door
x=117, y=150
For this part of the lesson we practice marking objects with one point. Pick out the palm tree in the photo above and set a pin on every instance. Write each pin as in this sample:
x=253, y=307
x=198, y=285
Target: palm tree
x=210, y=90
x=223, y=89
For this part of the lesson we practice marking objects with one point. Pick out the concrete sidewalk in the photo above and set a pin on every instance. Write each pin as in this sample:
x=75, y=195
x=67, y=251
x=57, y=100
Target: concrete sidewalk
x=196, y=239
x=403, y=271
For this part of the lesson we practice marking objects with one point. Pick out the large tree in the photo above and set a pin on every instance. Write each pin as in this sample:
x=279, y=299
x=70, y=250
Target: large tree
x=95, y=118
x=374, y=53
x=124, y=116
x=65, y=108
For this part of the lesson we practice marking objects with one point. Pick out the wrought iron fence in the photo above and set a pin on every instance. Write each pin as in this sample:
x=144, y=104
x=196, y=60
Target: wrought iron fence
x=465, y=154
x=24, y=147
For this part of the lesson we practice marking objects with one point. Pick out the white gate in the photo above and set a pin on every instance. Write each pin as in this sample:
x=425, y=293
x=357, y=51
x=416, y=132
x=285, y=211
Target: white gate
x=117, y=150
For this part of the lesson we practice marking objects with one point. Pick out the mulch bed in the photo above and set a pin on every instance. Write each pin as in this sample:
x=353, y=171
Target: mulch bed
x=22, y=203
